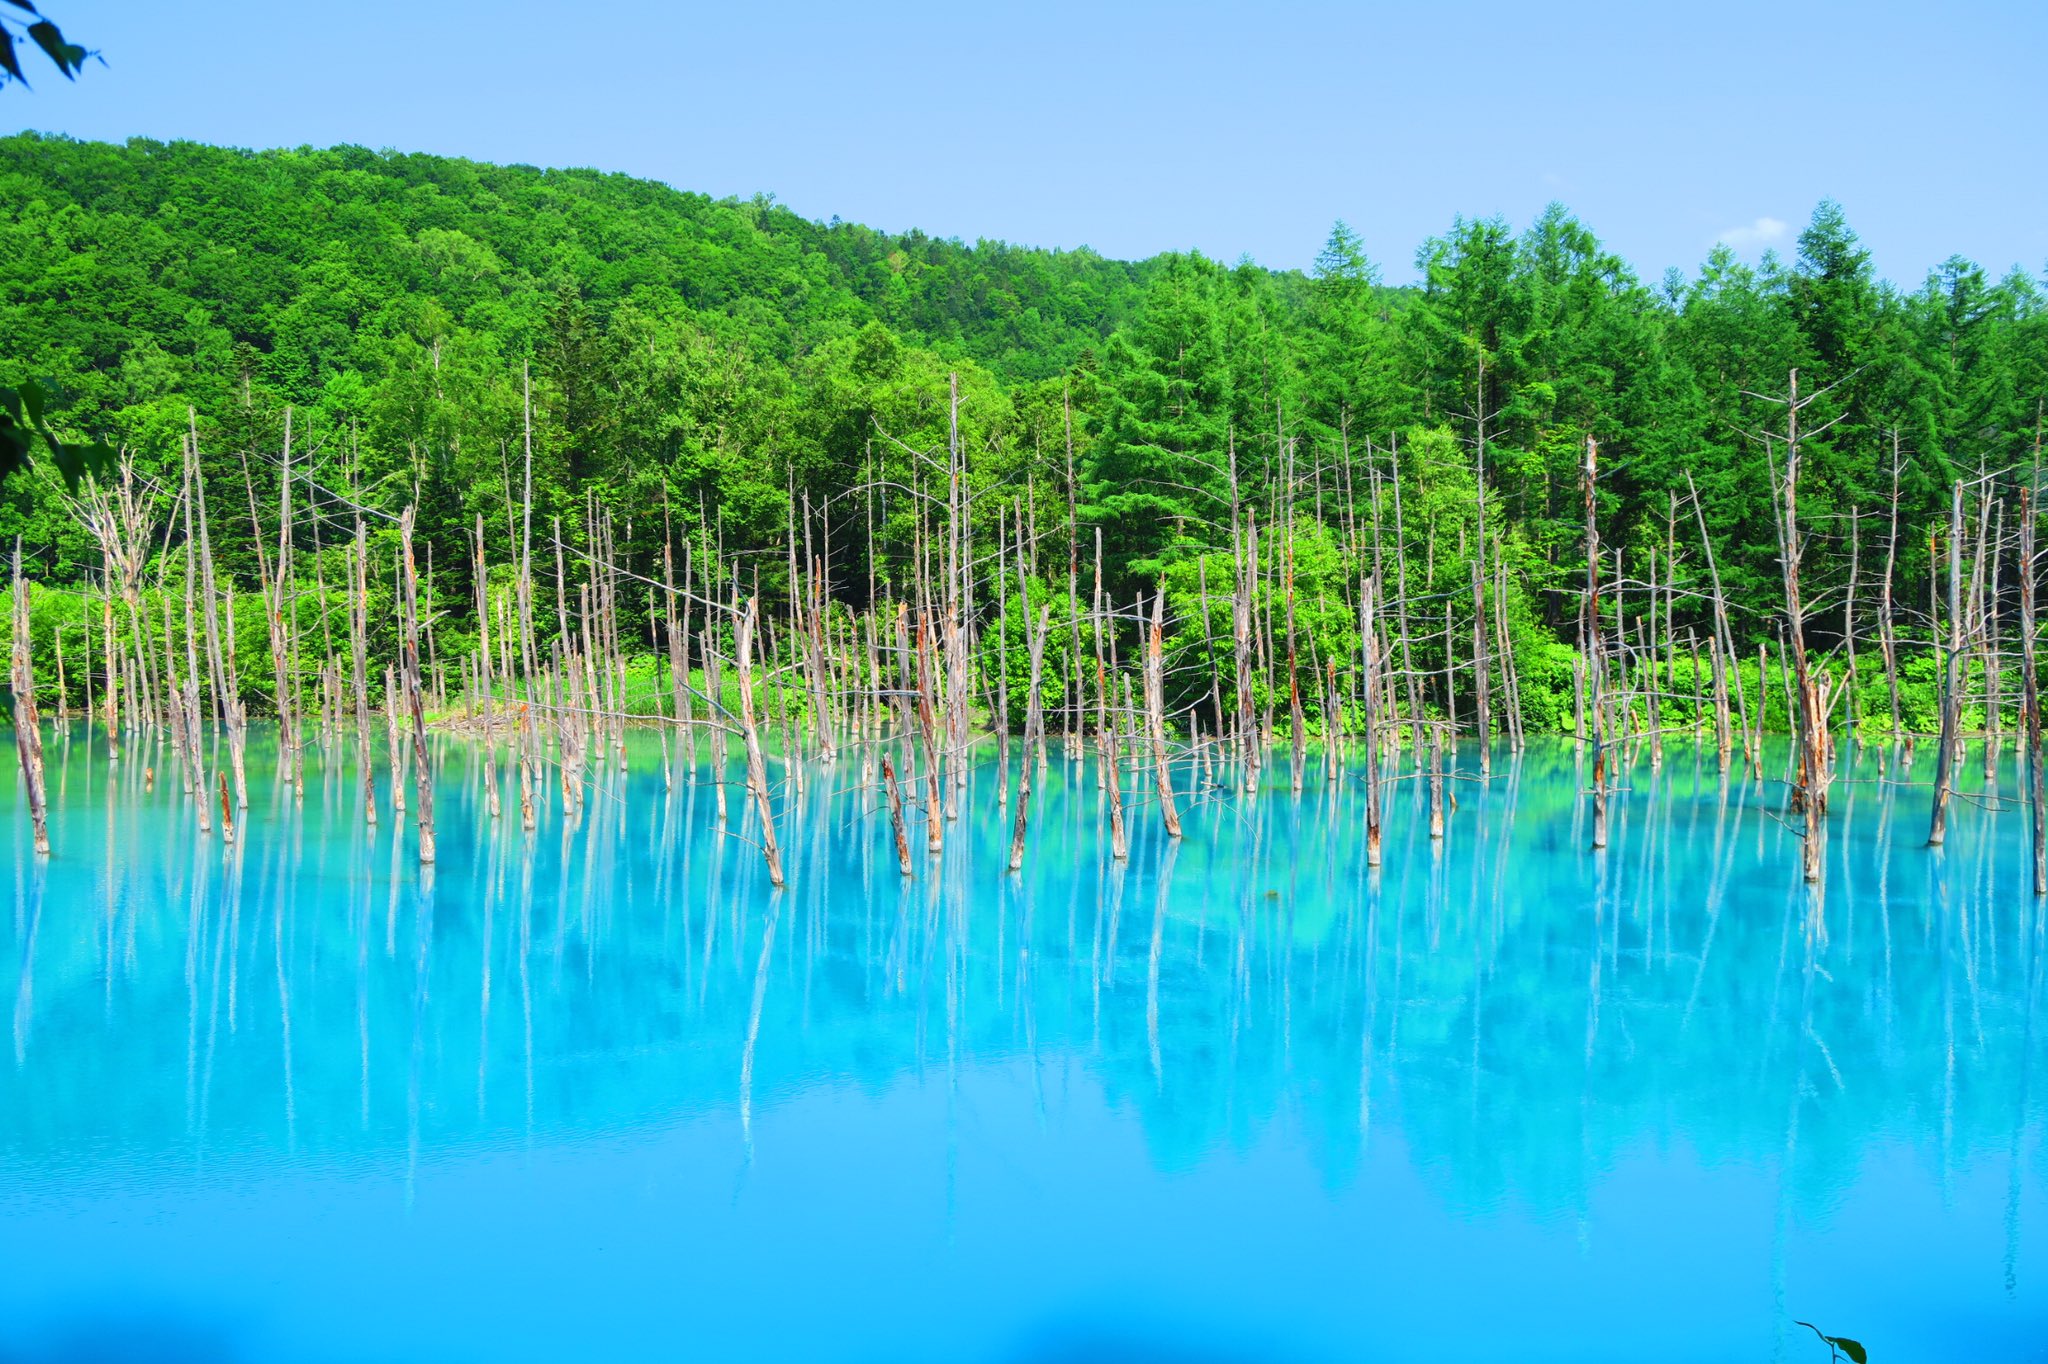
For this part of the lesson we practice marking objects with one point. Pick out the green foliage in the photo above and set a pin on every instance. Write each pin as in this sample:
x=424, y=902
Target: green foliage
x=23, y=427
x=68, y=57
x=716, y=376
x=1160, y=476
x=1839, y=1347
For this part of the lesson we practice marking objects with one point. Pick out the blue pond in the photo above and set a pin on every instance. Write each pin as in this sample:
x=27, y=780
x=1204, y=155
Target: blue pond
x=598, y=1093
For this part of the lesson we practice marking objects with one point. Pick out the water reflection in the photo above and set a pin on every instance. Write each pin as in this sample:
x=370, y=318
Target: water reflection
x=1519, y=1017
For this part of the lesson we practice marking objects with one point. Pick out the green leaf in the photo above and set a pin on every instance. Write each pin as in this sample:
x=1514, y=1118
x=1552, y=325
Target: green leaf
x=24, y=4
x=68, y=56
x=22, y=424
x=8, y=62
x=13, y=449
x=74, y=462
x=31, y=398
x=1852, y=1348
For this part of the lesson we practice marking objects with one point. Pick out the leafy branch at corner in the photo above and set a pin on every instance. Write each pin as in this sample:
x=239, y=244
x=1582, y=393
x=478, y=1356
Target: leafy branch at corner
x=68, y=57
x=22, y=422
x=1839, y=1347
x=23, y=426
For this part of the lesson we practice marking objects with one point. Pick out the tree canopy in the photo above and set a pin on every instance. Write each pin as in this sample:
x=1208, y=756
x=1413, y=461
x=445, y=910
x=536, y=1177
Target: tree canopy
x=697, y=363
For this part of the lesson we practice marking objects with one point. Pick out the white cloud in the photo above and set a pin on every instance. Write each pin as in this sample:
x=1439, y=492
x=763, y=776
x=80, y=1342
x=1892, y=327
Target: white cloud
x=1762, y=232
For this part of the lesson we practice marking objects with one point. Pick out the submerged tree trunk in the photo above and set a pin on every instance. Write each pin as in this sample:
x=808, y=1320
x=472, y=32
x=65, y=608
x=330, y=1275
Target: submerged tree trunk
x=1595, y=652
x=1155, y=715
x=359, y=616
x=1952, y=679
x=1370, y=661
x=2030, y=696
x=423, y=768
x=484, y=680
x=896, y=816
x=1810, y=792
x=28, y=729
x=1034, y=726
x=757, y=769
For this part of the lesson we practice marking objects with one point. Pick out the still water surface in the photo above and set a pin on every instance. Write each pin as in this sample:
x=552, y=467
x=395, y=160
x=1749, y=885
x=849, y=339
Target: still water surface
x=596, y=1093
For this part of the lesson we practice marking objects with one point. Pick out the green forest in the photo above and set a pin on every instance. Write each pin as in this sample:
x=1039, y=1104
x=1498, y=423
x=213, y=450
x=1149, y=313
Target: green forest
x=729, y=375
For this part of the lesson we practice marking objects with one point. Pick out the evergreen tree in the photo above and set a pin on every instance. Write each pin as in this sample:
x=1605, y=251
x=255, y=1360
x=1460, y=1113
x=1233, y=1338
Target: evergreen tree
x=1159, y=481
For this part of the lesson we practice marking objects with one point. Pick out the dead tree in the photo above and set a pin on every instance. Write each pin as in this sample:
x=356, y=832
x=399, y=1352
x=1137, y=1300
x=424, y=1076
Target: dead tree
x=1368, y=631
x=2030, y=693
x=484, y=679
x=1595, y=655
x=757, y=770
x=1952, y=679
x=358, y=643
x=409, y=622
x=1887, y=638
x=896, y=817
x=1155, y=714
x=28, y=729
x=1034, y=727
x=1810, y=789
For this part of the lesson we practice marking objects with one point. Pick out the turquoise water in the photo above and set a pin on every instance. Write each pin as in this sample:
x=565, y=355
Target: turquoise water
x=597, y=1093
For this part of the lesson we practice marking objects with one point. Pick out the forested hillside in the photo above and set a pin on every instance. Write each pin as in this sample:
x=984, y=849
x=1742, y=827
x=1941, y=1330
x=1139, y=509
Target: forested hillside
x=694, y=363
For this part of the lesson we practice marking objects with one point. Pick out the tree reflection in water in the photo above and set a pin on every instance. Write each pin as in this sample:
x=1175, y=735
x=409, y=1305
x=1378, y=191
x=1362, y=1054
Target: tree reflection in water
x=1521, y=1017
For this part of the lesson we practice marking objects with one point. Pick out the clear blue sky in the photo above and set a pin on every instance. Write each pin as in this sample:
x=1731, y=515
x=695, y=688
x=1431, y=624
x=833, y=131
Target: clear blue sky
x=1145, y=127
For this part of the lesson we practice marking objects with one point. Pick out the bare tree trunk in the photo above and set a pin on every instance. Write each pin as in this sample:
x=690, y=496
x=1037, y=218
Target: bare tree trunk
x=423, y=768
x=1155, y=712
x=1112, y=772
x=1503, y=645
x=1849, y=714
x=1034, y=725
x=757, y=770
x=1729, y=661
x=896, y=817
x=714, y=686
x=1952, y=678
x=1810, y=792
x=110, y=657
x=358, y=630
x=1987, y=649
x=530, y=751
x=1888, y=639
x=1482, y=670
x=1368, y=631
x=2030, y=694
x=63, y=687
x=277, y=602
x=1002, y=717
x=1073, y=736
x=1654, y=708
x=1241, y=634
x=1595, y=650
x=928, y=727
x=1297, y=722
x=393, y=708
x=195, y=771
x=483, y=661
x=227, y=704
x=1436, y=781
x=28, y=729
x=1401, y=625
